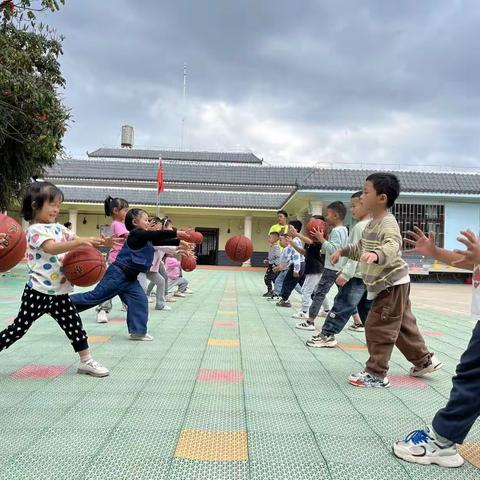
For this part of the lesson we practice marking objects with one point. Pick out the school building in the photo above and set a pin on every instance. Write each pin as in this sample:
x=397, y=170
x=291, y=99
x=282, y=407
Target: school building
x=222, y=194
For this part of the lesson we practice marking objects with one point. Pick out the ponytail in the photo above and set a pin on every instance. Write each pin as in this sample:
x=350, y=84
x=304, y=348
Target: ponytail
x=111, y=203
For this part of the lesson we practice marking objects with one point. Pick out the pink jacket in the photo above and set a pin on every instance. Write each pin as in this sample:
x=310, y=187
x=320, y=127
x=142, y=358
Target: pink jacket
x=173, y=268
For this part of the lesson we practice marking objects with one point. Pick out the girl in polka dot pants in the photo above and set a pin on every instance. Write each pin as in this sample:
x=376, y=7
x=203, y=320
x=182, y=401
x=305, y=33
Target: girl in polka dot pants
x=47, y=288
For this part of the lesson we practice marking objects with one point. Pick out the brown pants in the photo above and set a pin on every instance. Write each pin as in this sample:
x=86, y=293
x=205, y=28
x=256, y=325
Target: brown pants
x=391, y=322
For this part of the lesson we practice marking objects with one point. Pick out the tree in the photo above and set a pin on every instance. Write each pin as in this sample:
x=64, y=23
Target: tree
x=33, y=118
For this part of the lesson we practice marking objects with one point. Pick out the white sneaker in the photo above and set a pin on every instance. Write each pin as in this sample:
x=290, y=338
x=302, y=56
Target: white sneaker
x=169, y=298
x=300, y=315
x=179, y=294
x=92, y=368
x=141, y=338
x=321, y=341
x=356, y=327
x=356, y=376
x=188, y=291
x=424, y=447
x=306, y=326
x=431, y=366
x=102, y=317
x=323, y=313
x=124, y=308
x=165, y=307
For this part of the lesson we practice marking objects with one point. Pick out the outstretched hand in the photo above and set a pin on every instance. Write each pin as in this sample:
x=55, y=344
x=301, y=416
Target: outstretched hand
x=369, y=258
x=421, y=243
x=472, y=253
x=110, y=242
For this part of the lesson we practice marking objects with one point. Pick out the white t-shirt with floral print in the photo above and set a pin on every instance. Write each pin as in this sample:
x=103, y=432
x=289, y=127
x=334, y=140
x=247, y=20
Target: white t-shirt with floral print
x=46, y=271
x=476, y=293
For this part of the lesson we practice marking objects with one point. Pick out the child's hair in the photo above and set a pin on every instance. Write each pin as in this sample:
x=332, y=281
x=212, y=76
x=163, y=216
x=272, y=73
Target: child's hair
x=357, y=194
x=132, y=215
x=387, y=184
x=283, y=212
x=296, y=224
x=339, y=208
x=155, y=220
x=274, y=234
x=36, y=195
x=110, y=203
x=318, y=217
x=166, y=222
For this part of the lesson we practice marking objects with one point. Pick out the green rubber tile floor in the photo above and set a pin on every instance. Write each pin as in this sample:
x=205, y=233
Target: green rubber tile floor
x=227, y=390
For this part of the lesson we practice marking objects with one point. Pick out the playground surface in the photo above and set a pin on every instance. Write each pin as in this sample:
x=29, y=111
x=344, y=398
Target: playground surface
x=227, y=390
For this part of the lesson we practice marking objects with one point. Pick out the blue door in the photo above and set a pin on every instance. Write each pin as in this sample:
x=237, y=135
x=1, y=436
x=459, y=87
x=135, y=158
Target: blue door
x=460, y=216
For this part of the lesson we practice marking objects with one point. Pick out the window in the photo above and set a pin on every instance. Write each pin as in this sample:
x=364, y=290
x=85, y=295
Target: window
x=429, y=218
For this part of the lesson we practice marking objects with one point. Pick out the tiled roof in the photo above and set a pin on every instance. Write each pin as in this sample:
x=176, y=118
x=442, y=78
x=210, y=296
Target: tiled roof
x=222, y=157
x=252, y=200
x=426, y=182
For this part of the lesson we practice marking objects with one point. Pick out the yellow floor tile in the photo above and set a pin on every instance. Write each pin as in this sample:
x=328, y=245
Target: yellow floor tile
x=99, y=338
x=471, y=453
x=223, y=342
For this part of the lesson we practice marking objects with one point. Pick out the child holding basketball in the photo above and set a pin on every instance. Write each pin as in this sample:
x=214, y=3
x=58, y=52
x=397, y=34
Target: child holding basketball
x=47, y=288
x=116, y=208
x=120, y=279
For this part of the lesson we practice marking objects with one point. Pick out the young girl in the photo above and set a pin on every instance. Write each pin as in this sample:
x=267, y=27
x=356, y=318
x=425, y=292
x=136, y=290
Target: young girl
x=116, y=208
x=136, y=256
x=175, y=279
x=47, y=288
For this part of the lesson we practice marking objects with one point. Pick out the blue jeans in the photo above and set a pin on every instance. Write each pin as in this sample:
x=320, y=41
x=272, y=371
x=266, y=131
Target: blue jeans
x=130, y=292
x=455, y=420
x=278, y=285
x=352, y=297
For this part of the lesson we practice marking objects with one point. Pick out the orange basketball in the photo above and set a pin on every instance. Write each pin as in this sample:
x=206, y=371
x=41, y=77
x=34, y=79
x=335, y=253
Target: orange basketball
x=15, y=243
x=84, y=266
x=194, y=237
x=315, y=224
x=239, y=248
x=189, y=263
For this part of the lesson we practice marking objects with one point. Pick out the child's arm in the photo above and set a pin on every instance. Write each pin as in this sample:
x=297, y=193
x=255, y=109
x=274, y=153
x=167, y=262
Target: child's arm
x=292, y=231
x=55, y=248
x=333, y=243
x=390, y=245
x=299, y=249
x=426, y=246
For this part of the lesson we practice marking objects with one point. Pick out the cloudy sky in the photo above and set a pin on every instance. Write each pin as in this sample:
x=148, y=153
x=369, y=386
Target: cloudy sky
x=327, y=81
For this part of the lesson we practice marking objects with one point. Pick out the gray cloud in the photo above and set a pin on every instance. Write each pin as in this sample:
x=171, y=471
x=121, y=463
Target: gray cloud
x=332, y=81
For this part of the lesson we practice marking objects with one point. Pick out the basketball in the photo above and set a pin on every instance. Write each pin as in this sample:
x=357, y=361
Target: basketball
x=239, y=249
x=194, y=237
x=15, y=243
x=315, y=224
x=84, y=266
x=189, y=263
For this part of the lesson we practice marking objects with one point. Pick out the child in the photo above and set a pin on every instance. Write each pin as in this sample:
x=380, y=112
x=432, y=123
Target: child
x=120, y=278
x=116, y=208
x=390, y=321
x=175, y=279
x=296, y=267
x=338, y=238
x=314, y=264
x=47, y=288
x=451, y=424
x=352, y=292
x=274, y=253
x=282, y=267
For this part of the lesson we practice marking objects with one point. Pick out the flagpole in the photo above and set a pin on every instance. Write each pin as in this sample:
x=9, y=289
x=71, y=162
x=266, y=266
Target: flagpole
x=184, y=104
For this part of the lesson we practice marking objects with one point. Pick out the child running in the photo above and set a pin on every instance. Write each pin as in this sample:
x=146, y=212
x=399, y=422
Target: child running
x=390, y=321
x=116, y=208
x=338, y=238
x=437, y=443
x=120, y=278
x=352, y=292
x=47, y=289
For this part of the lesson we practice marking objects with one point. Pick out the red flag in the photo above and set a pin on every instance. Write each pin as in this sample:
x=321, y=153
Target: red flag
x=160, y=177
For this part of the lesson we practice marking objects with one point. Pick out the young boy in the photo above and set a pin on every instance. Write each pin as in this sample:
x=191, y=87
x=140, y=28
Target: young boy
x=296, y=267
x=274, y=253
x=390, y=321
x=314, y=265
x=352, y=292
x=286, y=258
x=337, y=239
x=451, y=424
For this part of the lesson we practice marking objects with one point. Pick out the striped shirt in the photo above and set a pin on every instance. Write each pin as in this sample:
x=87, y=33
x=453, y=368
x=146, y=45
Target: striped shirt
x=381, y=236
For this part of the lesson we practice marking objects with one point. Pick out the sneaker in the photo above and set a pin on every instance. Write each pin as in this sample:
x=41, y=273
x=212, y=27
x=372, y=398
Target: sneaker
x=124, y=308
x=369, y=381
x=424, y=447
x=306, y=326
x=169, y=298
x=355, y=376
x=102, y=317
x=274, y=297
x=267, y=294
x=151, y=300
x=188, y=291
x=432, y=365
x=165, y=307
x=141, y=338
x=92, y=368
x=323, y=313
x=322, y=341
x=356, y=327
x=300, y=315
x=283, y=303
x=179, y=294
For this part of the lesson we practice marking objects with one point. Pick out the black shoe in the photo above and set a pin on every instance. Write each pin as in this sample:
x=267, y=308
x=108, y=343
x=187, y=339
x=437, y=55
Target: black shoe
x=283, y=303
x=267, y=294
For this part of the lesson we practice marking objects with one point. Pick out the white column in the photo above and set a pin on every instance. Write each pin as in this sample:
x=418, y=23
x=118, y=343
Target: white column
x=247, y=231
x=316, y=208
x=72, y=218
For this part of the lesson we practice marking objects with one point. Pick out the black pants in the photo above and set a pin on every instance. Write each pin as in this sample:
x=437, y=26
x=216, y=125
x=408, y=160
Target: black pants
x=290, y=281
x=34, y=305
x=270, y=277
